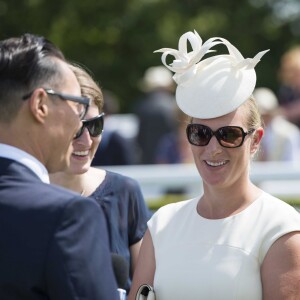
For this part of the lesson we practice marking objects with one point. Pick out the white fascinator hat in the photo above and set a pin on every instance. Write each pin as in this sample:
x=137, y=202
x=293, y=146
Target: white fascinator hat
x=214, y=86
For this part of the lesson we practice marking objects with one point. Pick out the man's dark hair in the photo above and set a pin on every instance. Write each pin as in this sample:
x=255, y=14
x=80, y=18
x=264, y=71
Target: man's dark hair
x=26, y=62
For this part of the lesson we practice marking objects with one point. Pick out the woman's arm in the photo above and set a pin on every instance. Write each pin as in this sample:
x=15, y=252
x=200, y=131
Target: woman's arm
x=134, y=254
x=145, y=268
x=280, y=271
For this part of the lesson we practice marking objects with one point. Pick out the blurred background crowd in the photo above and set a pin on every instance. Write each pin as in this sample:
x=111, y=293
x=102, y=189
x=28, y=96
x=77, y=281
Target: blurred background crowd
x=116, y=39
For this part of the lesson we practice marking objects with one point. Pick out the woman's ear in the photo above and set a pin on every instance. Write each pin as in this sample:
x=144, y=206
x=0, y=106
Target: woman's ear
x=256, y=138
x=38, y=105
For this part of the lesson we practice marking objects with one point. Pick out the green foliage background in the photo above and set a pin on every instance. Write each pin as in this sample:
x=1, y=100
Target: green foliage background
x=115, y=39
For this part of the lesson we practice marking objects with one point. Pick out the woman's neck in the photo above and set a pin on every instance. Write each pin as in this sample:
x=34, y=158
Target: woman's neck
x=84, y=184
x=222, y=203
x=72, y=182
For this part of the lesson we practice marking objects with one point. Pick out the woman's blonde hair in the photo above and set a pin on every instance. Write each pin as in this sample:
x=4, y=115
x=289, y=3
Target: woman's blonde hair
x=89, y=87
x=254, y=119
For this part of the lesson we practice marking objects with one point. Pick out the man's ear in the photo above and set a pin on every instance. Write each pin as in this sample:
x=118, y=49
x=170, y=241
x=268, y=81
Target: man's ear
x=38, y=103
x=256, y=138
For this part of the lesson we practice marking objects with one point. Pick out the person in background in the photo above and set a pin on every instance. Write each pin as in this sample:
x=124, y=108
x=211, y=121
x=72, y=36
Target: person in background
x=281, y=140
x=120, y=196
x=289, y=91
x=53, y=243
x=156, y=111
x=115, y=148
x=234, y=241
x=173, y=148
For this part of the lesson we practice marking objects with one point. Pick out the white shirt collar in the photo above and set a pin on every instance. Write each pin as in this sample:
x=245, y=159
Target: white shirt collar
x=26, y=159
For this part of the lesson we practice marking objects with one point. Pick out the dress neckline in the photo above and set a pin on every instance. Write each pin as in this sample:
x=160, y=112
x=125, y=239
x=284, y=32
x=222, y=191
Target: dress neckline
x=247, y=209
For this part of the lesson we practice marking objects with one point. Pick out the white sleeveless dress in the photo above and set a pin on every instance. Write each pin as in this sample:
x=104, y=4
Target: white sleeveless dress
x=198, y=258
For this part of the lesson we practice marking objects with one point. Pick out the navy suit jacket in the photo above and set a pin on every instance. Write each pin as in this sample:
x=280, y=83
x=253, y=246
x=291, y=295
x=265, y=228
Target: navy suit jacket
x=53, y=243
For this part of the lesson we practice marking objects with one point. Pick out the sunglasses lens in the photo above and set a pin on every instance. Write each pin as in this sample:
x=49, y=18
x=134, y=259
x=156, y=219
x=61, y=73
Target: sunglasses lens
x=230, y=136
x=84, y=109
x=95, y=126
x=198, y=135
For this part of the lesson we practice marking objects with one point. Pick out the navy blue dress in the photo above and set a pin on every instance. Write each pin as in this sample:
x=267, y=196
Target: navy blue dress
x=126, y=212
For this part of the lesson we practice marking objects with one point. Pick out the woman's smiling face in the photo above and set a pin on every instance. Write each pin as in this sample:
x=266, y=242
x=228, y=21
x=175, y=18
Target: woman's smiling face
x=220, y=166
x=84, y=146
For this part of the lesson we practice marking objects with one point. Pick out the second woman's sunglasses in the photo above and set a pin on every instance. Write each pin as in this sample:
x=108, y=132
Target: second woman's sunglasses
x=227, y=136
x=93, y=125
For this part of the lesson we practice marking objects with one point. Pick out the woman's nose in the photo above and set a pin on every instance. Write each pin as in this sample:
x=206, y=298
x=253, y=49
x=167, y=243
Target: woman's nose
x=213, y=147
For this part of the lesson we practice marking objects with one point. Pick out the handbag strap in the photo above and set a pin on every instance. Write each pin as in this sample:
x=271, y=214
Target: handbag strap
x=145, y=292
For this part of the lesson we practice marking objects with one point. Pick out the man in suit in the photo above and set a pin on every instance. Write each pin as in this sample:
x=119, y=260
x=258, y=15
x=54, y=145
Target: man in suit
x=53, y=243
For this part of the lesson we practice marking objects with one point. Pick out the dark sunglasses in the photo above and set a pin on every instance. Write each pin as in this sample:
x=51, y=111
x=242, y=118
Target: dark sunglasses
x=83, y=101
x=93, y=125
x=227, y=136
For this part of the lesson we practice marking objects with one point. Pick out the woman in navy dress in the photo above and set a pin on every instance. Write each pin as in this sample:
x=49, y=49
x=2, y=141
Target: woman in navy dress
x=119, y=196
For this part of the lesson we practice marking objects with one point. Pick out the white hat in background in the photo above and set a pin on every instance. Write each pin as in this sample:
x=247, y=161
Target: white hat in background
x=266, y=100
x=156, y=77
x=214, y=86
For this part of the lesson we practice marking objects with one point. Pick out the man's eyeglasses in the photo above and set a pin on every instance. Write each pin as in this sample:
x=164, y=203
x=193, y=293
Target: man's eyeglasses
x=227, y=136
x=83, y=101
x=93, y=125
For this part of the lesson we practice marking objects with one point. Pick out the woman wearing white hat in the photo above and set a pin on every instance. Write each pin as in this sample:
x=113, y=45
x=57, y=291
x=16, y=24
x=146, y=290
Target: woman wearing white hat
x=234, y=241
